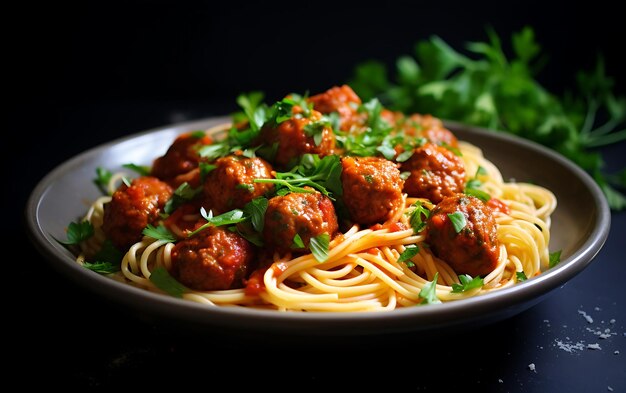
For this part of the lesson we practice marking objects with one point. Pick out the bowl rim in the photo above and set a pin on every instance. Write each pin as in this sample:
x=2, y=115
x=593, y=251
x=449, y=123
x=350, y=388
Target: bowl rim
x=402, y=319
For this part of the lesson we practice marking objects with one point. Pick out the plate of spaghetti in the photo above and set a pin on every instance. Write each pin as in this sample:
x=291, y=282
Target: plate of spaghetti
x=320, y=214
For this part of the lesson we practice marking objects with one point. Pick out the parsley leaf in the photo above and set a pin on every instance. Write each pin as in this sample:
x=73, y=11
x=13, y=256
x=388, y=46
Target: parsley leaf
x=102, y=179
x=319, y=247
x=458, y=221
x=297, y=241
x=230, y=217
x=467, y=283
x=165, y=282
x=409, y=252
x=415, y=219
x=322, y=174
x=109, y=253
x=555, y=258
x=521, y=276
x=429, y=291
x=255, y=209
x=102, y=267
x=503, y=93
x=159, y=233
x=182, y=194
x=78, y=232
x=142, y=170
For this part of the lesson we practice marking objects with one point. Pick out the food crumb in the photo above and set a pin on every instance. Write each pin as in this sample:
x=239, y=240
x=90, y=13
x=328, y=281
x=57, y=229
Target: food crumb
x=569, y=347
x=532, y=367
x=610, y=389
x=594, y=346
x=586, y=316
x=500, y=380
x=596, y=308
x=616, y=353
x=612, y=321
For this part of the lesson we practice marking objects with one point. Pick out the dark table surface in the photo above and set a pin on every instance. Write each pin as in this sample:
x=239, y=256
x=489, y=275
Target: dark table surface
x=61, y=335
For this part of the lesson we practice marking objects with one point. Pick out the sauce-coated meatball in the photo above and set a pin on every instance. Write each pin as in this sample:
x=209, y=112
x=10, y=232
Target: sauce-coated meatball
x=231, y=184
x=293, y=141
x=340, y=99
x=372, y=188
x=305, y=214
x=132, y=208
x=474, y=249
x=215, y=258
x=181, y=157
x=436, y=172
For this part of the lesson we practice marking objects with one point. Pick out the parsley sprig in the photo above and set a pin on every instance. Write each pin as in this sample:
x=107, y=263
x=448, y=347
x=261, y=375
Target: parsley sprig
x=488, y=89
x=322, y=174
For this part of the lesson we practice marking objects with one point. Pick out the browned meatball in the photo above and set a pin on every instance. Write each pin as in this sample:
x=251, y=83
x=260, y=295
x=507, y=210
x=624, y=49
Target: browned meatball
x=474, y=250
x=231, y=184
x=293, y=141
x=181, y=157
x=436, y=172
x=340, y=99
x=372, y=188
x=132, y=208
x=215, y=258
x=426, y=126
x=305, y=214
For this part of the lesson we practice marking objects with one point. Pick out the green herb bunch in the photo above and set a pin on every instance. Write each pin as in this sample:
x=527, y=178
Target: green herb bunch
x=502, y=93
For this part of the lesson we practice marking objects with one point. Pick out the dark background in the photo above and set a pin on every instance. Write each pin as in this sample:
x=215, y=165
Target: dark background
x=83, y=74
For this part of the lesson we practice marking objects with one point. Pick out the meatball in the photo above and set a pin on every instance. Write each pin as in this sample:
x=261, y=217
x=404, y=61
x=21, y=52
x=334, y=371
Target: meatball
x=231, y=184
x=426, y=126
x=474, y=249
x=372, y=189
x=342, y=100
x=215, y=258
x=435, y=172
x=132, y=208
x=306, y=214
x=181, y=157
x=294, y=139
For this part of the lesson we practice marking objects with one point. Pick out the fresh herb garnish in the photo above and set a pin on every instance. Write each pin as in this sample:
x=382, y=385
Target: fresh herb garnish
x=409, y=252
x=418, y=217
x=102, y=179
x=467, y=283
x=102, y=267
x=502, y=93
x=555, y=258
x=109, y=253
x=142, y=170
x=230, y=217
x=78, y=232
x=184, y=193
x=255, y=209
x=521, y=276
x=159, y=233
x=297, y=241
x=322, y=174
x=319, y=246
x=458, y=221
x=165, y=282
x=429, y=291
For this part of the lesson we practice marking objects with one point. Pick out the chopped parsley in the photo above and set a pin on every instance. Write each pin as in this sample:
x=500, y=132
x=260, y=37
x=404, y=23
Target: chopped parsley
x=555, y=258
x=165, y=282
x=458, y=221
x=78, y=232
x=467, y=283
x=319, y=247
x=409, y=252
x=159, y=233
x=429, y=291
